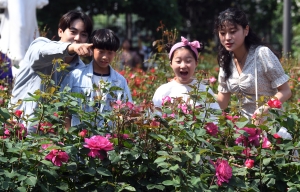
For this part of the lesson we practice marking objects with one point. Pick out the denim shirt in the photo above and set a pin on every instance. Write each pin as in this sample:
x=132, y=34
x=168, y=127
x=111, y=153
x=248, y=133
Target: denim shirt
x=81, y=81
x=39, y=58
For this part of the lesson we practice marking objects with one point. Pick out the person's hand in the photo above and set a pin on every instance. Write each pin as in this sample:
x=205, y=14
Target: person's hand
x=259, y=114
x=82, y=49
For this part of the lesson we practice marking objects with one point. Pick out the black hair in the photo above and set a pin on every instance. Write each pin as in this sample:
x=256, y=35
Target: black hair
x=105, y=39
x=168, y=48
x=66, y=20
x=235, y=17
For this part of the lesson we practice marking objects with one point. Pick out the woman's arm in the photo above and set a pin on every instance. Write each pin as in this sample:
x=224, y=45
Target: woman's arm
x=284, y=92
x=223, y=99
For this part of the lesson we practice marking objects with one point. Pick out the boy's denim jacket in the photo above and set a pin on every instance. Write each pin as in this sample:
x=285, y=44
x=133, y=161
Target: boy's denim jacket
x=81, y=81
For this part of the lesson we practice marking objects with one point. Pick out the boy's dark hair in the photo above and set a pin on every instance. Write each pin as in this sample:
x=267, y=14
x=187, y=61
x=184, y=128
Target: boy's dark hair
x=66, y=20
x=105, y=39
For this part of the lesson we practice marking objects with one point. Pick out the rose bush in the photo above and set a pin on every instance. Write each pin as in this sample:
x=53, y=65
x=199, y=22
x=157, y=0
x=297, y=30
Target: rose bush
x=141, y=148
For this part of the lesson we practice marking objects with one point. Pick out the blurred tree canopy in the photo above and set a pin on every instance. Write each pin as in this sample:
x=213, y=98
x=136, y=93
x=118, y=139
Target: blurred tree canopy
x=192, y=18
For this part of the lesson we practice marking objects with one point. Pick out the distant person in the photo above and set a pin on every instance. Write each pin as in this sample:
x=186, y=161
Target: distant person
x=74, y=29
x=238, y=49
x=18, y=29
x=129, y=57
x=183, y=60
x=144, y=51
x=96, y=74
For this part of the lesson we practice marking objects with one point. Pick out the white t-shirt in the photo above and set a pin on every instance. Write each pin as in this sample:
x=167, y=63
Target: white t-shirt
x=174, y=89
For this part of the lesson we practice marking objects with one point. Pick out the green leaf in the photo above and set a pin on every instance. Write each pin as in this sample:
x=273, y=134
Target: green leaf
x=5, y=185
x=271, y=182
x=21, y=177
x=31, y=181
x=280, y=160
x=10, y=174
x=8, y=145
x=129, y=188
x=103, y=171
x=176, y=150
x=197, y=158
x=48, y=163
x=72, y=166
x=203, y=151
x=174, y=168
x=292, y=189
x=91, y=171
x=168, y=182
x=163, y=164
x=13, y=159
x=205, y=175
x=160, y=159
x=63, y=186
x=189, y=155
x=153, y=186
x=4, y=113
x=21, y=189
x=195, y=180
x=266, y=161
x=3, y=159
x=114, y=157
x=242, y=122
x=162, y=153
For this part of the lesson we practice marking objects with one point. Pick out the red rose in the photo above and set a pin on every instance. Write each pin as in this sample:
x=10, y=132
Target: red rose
x=211, y=129
x=82, y=133
x=249, y=163
x=274, y=103
x=18, y=113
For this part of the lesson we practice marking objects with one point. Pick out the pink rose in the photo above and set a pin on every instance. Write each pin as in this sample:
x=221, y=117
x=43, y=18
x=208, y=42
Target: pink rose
x=184, y=108
x=211, y=129
x=212, y=79
x=154, y=123
x=57, y=157
x=274, y=103
x=97, y=143
x=252, y=139
x=46, y=127
x=82, y=133
x=45, y=146
x=266, y=143
x=164, y=115
x=118, y=104
x=166, y=99
x=19, y=129
x=249, y=163
x=130, y=105
x=223, y=171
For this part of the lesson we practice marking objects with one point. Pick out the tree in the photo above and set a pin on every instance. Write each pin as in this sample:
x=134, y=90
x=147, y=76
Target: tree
x=151, y=12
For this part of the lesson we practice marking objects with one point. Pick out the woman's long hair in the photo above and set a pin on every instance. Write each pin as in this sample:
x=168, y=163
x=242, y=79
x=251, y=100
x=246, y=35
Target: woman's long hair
x=236, y=17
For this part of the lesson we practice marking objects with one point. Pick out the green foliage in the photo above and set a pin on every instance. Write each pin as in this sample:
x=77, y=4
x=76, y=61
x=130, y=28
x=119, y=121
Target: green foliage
x=167, y=149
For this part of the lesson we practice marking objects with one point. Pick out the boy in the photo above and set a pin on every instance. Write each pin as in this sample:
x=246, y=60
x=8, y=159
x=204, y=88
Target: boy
x=74, y=29
x=97, y=74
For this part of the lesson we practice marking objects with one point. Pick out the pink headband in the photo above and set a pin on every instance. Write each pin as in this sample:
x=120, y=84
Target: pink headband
x=184, y=42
